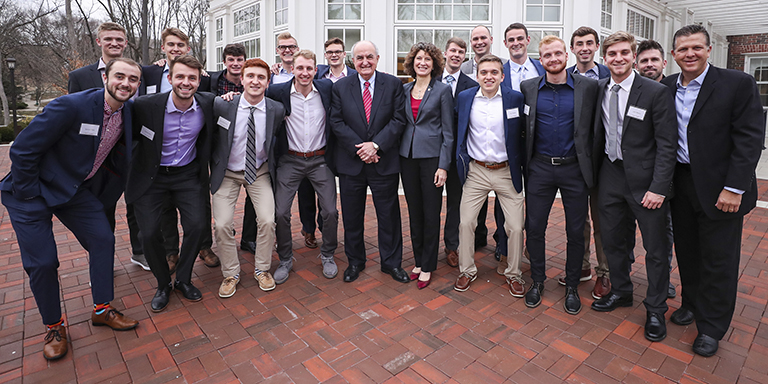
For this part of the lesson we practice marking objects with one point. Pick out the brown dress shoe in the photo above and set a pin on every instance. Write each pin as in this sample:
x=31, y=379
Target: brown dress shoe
x=516, y=288
x=114, y=319
x=173, y=260
x=209, y=258
x=586, y=275
x=55, y=343
x=502, y=265
x=309, y=239
x=462, y=283
x=602, y=287
x=451, y=258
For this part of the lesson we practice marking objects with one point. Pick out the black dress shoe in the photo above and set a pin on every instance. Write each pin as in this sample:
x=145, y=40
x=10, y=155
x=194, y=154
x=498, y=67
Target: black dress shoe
x=352, y=272
x=655, y=327
x=480, y=243
x=248, y=246
x=671, y=293
x=705, y=345
x=682, y=316
x=612, y=301
x=162, y=296
x=572, y=303
x=189, y=291
x=397, y=273
x=533, y=296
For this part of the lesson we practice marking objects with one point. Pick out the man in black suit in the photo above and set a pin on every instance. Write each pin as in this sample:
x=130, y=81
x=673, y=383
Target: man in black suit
x=635, y=144
x=558, y=157
x=368, y=118
x=455, y=53
x=721, y=129
x=111, y=39
x=303, y=154
x=170, y=164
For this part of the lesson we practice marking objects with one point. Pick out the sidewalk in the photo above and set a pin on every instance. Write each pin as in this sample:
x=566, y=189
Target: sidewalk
x=374, y=330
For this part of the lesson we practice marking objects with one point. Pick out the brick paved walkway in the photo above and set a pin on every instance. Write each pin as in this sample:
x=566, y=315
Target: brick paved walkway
x=312, y=329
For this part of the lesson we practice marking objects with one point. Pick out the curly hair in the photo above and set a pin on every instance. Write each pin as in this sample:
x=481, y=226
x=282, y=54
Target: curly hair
x=430, y=49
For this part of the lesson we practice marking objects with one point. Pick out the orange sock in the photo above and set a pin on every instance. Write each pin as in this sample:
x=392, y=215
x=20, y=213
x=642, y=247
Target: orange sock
x=56, y=324
x=99, y=308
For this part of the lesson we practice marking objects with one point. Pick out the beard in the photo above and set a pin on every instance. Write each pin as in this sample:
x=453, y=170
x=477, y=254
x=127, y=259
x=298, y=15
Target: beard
x=112, y=90
x=556, y=68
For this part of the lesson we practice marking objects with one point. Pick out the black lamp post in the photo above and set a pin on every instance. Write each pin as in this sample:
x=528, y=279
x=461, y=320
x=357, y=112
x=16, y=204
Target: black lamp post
x=12, y=66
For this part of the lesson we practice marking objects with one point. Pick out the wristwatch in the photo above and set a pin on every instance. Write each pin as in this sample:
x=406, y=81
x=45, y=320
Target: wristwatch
x=375, y=146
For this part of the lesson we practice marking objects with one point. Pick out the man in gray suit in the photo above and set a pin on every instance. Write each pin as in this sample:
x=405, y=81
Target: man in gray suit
x=634, y=152
x=244, y=155
x=558, y=157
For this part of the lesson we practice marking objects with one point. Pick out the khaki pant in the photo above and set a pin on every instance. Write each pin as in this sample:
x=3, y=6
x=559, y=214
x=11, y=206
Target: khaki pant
x=224, y=201
x=481, y=181
x=601, y=269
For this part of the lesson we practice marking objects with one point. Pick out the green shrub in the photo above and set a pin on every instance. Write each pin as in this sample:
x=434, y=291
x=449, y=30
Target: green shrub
x=6, y=134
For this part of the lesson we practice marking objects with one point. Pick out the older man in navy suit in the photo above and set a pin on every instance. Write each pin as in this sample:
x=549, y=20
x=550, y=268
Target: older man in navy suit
x=70, y=162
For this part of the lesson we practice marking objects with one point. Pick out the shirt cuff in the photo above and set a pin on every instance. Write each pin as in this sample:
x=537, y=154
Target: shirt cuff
x=734, y=190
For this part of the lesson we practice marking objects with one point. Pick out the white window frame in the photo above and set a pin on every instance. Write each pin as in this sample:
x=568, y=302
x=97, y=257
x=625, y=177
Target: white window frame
x=281, y=10
x=258, y=19
x=347, y=44
x=747, y=68
x=535, y=46
x=435, y=2
x=258, y=47
x=344, y=20
x=219, y=26
x=432, y=28
x=219, y=61
x=647, y=15
x=543, y=22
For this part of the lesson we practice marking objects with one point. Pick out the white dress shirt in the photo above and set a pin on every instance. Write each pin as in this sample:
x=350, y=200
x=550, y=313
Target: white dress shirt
x=282, y=76
x=372, y=81
x=165, y=86
x=455, y=79
x=306, y=124
x=486, y=141
x=623, y=95
x=333, y=78
x=520, y=73
x=237, y=152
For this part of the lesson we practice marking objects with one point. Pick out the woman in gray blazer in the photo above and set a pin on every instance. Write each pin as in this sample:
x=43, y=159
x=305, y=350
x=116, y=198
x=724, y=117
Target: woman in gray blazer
x=425, y=153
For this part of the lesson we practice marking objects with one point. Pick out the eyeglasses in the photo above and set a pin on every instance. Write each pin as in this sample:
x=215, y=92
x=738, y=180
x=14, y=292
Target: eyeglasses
x=285, y=47
x=333, y=53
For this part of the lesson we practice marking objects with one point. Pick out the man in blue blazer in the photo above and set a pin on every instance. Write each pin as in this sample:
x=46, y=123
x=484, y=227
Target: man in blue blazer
x=302, y=152
x=584, y=45
x=489, y=158
x=70, y=162
x=519, y=67
x=334, y=54
x=368, y=118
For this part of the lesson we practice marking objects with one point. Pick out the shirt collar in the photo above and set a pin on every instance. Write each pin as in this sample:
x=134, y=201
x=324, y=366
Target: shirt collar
x=455, y=75
x=480, y=93
x=108, y=109
x=699, y=80
x=166, y=69
x=261, y=105
x=372, y=80
x=515, y=67
x=595, y=69
x=170, y=107
x=568, y=80
x=293, y=87
x=626, y=84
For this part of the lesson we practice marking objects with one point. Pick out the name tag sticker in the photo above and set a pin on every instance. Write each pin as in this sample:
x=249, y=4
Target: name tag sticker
x=148, y=133
x=635, y=112
x=527, y=110
x=513, y=113
x=89, y=129
x=224, y=123
x=151, y=89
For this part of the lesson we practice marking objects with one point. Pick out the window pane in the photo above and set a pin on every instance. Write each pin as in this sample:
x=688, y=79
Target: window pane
x=336, y=33
x=461, y=12
x=533, y=13
x=552, y=2
x=353, y=36
x=405, y=1
x=423, y=35
x=404, y=40
x=335, y=1
x=441, y=37
x=442, y=12
x=352, y=12
x=551, y=13
x=423, y=1
x=535, y=2
x=479, y=12
x=335, y=12
x=405, y=12
x=424, y=12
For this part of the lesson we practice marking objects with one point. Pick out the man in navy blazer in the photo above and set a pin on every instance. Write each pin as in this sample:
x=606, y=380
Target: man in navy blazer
x=334, y=55
x=519, y=67
x=584, y=45
x=111, y=39
x=721, y=128
x=490, y=150
x=368, y=118
x=302, y=152
x=70, y=162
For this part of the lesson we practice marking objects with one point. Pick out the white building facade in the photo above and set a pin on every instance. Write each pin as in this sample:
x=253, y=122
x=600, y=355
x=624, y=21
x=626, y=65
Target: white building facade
x=394, y=25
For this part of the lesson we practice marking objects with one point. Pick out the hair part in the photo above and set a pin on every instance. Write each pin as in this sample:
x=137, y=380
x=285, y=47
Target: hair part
x=174, y=32
x=110, y=26
x=689, y=30
x=257, y=63
x=549, y=39
x=647, y=45
x=430, y=49
x=456, y=40
x=235, y=50
x=515, y=26
x=307, y=54
x=585, y=31
x=187, y=60
x=126, y=60
x=619, y=37
x=334, y=40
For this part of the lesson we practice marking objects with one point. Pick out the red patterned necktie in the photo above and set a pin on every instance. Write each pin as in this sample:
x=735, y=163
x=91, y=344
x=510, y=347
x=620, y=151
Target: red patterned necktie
x=367, y=101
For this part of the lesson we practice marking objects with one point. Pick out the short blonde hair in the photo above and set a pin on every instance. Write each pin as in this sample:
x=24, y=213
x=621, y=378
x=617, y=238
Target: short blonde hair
x=110, y=26
x=619, y=37
x=286, y=36
x=549, y=39
x=307, y=54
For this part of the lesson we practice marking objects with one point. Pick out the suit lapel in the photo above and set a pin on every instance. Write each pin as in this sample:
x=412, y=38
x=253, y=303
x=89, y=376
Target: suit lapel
x=578, y=95
x=407, y=89
x=232, y=116
x=98, y=118
x=705, y=92
x=634, y=96
x=158, y=122
x=379, y=89
x=270, y=125
x=423, y=101
x=357, y=95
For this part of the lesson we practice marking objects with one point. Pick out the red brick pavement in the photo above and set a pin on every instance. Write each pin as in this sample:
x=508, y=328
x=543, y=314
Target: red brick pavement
x=374, y=330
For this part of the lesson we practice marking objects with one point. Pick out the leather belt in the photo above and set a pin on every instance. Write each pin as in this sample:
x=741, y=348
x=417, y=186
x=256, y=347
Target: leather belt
x=307, y=155
x=493, y=166
x=555, y=160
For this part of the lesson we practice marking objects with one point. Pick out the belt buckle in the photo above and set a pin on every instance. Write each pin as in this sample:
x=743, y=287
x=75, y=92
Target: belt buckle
x=555, y=161
x=305, y=155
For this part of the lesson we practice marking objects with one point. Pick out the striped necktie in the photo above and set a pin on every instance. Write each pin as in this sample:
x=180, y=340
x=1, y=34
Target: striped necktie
x=250, y=152
x=367, y=101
